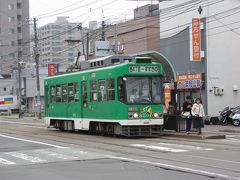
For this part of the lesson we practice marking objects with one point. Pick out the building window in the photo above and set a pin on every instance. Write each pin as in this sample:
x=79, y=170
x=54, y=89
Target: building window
x=19, y=5
x=10, y=19
x=12, y=55
x=12, y=43
x=19, y=17
x=19, y=30
x=4, y=89
x=19, y=41
x=20, y=53
x=10, y=7
x=11, y=31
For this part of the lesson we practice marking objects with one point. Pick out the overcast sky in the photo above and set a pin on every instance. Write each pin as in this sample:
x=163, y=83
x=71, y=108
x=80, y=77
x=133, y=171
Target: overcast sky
x=83, y=10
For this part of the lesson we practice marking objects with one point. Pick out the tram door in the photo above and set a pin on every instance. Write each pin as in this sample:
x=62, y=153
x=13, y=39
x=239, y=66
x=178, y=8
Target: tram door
x=84, y=99
x=47, y=95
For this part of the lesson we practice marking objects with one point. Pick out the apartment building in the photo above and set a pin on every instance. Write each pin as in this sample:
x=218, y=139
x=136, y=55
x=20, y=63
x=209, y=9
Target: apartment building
x=59, y=42
x=14, y=34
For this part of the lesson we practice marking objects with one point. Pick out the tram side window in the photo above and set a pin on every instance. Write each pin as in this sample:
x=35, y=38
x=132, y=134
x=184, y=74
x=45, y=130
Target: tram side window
x=58, y=94
x=111, y=91
x=101, y=90
x=70, y=92
x=84, y=90
x=52, y=94
x=121, y=94
x=76, y=92
x=93, y=91
x=64, y=93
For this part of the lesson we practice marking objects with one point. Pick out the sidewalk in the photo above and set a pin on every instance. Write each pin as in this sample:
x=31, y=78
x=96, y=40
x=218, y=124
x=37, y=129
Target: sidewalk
x=208, y=132
x=14, y=117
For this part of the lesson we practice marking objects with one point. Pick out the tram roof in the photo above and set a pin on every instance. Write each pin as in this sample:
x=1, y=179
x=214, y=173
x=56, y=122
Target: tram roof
x=169, y=71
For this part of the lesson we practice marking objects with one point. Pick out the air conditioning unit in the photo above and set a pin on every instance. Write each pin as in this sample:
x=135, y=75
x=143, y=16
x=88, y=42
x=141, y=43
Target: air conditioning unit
x=218, y=91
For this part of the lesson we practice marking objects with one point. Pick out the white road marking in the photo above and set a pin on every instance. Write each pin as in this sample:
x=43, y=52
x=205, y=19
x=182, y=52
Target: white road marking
x=56, y=155
x=23, y=123
x=35, y=127
x=158, y=148
x=179, y=168
x=26, y=157
x=6, y=162
x=187, y=146
x=31, y=141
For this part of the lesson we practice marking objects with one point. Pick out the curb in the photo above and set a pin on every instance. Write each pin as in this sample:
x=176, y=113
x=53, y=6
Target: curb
x=194, y=136
x=230, y=131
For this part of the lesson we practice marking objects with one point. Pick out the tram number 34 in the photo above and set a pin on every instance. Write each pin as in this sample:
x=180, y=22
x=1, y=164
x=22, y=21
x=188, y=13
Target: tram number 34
x=142, y=69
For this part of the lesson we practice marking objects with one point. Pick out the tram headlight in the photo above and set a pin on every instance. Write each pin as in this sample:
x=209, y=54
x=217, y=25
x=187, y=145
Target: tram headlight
x=135, y=115
x=155, y=115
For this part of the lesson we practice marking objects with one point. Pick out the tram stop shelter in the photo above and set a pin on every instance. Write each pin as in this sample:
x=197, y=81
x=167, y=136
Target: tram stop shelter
x=171, y=121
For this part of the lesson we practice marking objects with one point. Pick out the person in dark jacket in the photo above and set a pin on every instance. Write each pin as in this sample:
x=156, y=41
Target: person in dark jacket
x=187, y=107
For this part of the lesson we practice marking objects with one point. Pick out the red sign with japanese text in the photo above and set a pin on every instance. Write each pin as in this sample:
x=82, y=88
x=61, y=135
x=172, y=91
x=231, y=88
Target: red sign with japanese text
x=51, y=69
x=196, y=39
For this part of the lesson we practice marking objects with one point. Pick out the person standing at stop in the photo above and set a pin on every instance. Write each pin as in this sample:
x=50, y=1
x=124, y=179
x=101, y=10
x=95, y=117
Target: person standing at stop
x=187, y=107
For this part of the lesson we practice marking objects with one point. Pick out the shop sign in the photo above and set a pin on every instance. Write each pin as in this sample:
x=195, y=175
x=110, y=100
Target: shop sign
x=189, y=81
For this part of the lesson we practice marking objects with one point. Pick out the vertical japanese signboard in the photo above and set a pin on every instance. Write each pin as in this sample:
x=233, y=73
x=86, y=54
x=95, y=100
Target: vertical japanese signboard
x=51, y=69
x=196, y=40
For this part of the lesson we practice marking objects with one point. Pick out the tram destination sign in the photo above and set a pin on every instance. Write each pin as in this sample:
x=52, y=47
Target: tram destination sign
x=144, y=69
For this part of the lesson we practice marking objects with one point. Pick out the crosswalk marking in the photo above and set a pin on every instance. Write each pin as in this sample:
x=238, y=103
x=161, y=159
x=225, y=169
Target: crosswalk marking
x=167, y=147
x=187, y=146
x=158, y=148
x=56, y=155
x=6, y=162
x=48, y=155
x=26, y=157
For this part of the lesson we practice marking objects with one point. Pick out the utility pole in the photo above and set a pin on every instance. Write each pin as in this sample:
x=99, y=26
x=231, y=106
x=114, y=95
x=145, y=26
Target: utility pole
x=115, y=40
x=87, y=47
x=19, y=89
x=103, y=31
x=36, y=55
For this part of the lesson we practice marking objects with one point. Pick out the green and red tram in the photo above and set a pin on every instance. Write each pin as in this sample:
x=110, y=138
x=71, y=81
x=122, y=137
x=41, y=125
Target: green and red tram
x=122, y=99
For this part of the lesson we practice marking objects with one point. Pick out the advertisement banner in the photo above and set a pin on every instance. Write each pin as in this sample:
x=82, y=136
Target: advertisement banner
x=196, y=40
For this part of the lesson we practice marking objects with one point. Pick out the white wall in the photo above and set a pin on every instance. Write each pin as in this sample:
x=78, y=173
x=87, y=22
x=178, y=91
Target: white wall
x=223, y=44
x=223, y=56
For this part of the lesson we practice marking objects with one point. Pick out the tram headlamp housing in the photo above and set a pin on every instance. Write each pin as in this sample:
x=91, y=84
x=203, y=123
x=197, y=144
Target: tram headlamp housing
x=132, y=115
x=157, y=115
x=135, y=115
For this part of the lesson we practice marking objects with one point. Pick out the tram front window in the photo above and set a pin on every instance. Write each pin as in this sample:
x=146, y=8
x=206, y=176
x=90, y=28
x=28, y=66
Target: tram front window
x=143, y=90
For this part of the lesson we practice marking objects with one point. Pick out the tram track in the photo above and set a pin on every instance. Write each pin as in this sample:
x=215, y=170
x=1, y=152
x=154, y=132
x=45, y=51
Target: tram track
x=73, y=138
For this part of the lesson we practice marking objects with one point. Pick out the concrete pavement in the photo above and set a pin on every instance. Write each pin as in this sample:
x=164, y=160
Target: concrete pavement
x=209, y=131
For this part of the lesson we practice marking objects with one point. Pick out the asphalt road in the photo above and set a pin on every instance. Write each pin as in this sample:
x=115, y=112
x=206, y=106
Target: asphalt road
x=29, y=150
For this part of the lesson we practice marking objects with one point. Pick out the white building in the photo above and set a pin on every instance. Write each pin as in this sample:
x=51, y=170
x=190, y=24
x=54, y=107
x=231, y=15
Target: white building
x=53, y=44
x=220, y=55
